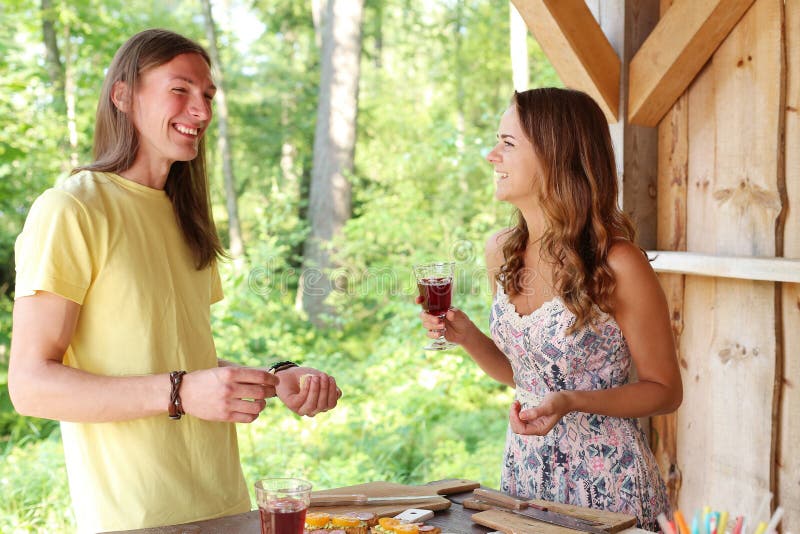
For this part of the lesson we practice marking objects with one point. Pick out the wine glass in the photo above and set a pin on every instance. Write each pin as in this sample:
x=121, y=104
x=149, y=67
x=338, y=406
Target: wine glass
x=435, y=284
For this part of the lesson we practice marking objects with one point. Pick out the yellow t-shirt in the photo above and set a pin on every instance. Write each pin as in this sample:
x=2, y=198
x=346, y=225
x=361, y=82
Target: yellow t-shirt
x=114, y=247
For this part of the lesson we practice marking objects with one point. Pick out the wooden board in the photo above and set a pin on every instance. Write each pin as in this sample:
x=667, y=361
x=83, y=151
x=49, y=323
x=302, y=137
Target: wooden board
x=729, y=339
x=674, y=52
x=788, y=457
x=392, y=489
x=512, y=523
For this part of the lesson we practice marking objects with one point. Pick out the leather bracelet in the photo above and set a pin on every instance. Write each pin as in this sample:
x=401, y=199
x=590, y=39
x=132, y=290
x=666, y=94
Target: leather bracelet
x=280, y=366
x=175, y=408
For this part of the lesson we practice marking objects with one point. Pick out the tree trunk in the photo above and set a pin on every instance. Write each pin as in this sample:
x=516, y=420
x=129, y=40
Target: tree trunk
x=236, y=243
x=518, y=33
x=378, y=59
x=318, y=8
x=460, y=68
x=334, y=144
x=52, y=57
x=69, y=97
x=291, y=178
x=62, y=77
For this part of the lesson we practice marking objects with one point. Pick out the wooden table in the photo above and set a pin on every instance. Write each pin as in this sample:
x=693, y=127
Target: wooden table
x=454, y=520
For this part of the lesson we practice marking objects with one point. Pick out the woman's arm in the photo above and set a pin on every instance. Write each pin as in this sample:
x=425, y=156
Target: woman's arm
x=460, y=329
x=640, y=308
x=40, y=385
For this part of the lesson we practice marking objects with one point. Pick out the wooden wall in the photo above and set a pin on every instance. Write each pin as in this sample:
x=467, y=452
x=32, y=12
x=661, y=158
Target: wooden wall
x=729, y=185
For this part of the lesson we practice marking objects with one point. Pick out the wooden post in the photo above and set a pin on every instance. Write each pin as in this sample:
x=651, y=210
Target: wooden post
x=627, y=25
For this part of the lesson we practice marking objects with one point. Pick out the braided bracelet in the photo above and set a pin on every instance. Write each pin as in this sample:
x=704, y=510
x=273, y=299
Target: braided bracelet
x=175, y=409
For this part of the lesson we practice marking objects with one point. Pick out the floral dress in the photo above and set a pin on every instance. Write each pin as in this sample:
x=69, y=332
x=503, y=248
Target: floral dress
x=586, y=459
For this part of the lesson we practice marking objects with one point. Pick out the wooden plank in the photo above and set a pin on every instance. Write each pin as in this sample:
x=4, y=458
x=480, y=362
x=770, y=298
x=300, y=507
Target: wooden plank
x=506, y=521
x=576, y=46
x=393, y=489
x=672, y=173
x=676, y=50
x=743, y=268
x=788, y=456
x=724, y=426
x=729, y=339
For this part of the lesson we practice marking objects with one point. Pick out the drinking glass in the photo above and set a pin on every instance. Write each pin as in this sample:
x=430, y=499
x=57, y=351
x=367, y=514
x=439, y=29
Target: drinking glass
x=435, y=284
x=282, y=504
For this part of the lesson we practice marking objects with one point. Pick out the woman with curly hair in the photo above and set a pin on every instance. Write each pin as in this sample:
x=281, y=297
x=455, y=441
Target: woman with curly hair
x=575, y=303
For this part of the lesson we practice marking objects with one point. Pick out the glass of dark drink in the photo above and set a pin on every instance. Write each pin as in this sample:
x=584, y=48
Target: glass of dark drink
x=282, y=504
x=435, y=284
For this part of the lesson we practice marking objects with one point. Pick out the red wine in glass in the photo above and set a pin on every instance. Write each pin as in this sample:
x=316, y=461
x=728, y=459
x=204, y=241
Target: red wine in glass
x=282, y=504
x=436, y=294
x=435, y=284
x=285, y=516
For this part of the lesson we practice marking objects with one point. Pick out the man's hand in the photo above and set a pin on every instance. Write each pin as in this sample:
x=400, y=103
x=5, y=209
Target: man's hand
x=233, y=394
x=307, y=391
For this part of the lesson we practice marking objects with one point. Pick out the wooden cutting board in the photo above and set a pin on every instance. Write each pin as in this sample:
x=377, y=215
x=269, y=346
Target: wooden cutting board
x=509, y=523
x=392, y=489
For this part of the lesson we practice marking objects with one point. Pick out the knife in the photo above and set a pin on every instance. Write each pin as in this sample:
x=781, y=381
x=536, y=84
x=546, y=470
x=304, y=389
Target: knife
x=546, y=516
x=359, y=499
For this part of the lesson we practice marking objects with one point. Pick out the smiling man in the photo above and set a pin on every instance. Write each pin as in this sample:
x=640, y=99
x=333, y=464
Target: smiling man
x=116, y=272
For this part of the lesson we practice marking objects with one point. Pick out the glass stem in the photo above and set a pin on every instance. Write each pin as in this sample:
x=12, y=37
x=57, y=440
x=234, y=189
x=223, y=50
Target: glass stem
x=442, y=329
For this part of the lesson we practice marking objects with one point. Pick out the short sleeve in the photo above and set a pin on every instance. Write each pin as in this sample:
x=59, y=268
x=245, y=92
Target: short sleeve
x=53, y=252
x=216, y=284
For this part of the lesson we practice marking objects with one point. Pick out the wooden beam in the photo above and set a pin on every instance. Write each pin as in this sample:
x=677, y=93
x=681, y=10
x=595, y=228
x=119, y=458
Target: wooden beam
x=741, y=267
x=576, y=46
x=670, y=58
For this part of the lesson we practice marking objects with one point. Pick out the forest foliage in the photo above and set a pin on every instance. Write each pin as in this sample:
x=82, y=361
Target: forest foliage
x=435, y=78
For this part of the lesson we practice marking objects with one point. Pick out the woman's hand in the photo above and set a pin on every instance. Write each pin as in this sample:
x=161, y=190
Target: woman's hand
x=307, y=391
x=457, y=325
x=540, y=420
x=233, y=394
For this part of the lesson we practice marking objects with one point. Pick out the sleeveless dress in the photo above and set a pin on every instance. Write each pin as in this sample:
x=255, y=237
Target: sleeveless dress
x=586, y=459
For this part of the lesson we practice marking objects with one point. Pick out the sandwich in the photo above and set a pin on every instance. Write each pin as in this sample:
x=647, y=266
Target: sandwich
x=362, y=523
x=340, y=523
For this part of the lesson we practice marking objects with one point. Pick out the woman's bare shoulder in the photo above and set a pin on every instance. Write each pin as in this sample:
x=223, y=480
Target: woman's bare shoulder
x=625, y=257
x=634, y=277
x=494, y=248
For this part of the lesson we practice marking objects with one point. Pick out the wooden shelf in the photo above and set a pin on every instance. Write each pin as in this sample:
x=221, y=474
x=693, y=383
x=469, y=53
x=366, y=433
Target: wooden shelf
x=742, y=267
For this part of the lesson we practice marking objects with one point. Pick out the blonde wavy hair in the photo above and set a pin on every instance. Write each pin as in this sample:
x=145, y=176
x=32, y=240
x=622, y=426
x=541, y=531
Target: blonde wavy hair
x=578, y=195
